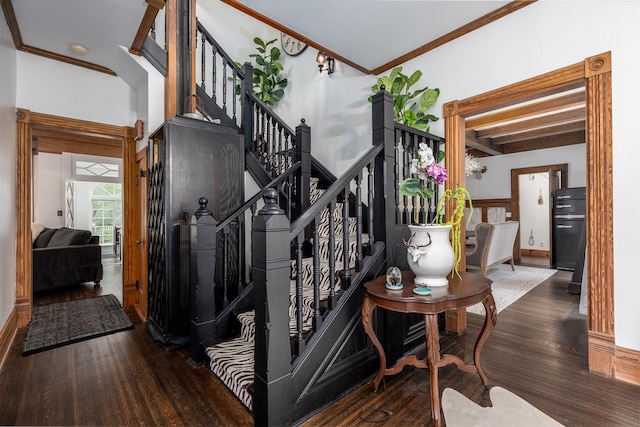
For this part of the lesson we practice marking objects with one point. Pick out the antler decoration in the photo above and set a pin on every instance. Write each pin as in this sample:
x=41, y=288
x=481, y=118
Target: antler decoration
x=416, y=250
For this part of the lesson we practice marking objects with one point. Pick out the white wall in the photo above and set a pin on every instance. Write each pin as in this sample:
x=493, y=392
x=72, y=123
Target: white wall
x=54, y=87
x=542, y=37
x=496, y=181
x=8, y=72
x=534, y=211
x=48, y=190
x=150, y=98
x=82, y=206
x=334, y=106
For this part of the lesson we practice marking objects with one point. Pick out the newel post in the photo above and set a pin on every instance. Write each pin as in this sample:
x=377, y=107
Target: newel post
x=272, y=401
x=203, y=267
x=303, y=154
x=383, y=133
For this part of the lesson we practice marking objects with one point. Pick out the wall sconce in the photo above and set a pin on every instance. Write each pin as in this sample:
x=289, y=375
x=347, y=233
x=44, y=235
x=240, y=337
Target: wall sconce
x=325, y=63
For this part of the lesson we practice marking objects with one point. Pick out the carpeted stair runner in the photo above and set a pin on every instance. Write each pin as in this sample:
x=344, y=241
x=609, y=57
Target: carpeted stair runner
x=232, y=361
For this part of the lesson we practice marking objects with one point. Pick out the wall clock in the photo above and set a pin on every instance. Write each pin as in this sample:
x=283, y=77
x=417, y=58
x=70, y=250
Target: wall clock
x=291, y=45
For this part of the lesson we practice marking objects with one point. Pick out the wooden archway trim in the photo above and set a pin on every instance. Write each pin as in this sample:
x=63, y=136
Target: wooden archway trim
x=594, y=74
x=27, y=122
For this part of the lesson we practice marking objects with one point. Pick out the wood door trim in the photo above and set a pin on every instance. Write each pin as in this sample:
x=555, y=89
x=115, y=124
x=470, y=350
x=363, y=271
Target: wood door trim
x=515, y=191
x=27, y=121
x=595, y=74
x=142, y=307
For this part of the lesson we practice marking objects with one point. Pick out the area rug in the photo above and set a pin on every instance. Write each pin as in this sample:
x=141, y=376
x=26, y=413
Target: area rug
x=506, y=410
x=508, y=286
x=55, y=325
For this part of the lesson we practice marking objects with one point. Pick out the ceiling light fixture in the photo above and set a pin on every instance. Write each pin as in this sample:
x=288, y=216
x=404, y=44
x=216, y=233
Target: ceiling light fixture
x=78, y=49
x=323, y=60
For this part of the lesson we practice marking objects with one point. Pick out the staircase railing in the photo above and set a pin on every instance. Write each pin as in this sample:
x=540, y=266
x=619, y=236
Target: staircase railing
x=338, y=192
x=368, y=191
x=226, y=92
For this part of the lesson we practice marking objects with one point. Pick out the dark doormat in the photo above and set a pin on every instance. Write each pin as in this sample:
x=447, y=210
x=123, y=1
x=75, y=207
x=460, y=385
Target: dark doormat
x=55, y=325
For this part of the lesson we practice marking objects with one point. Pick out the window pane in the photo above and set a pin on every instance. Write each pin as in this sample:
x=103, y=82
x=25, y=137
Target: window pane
x=107, y=210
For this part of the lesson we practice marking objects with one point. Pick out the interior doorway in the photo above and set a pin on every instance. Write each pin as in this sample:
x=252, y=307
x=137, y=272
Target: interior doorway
x=56, y=135
x=594, y=73
x=532, y=189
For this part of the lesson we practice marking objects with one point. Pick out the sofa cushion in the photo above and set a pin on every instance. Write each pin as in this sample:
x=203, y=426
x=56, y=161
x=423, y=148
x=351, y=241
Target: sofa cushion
x=44, y=237
x=67, y=237
x=36, y=229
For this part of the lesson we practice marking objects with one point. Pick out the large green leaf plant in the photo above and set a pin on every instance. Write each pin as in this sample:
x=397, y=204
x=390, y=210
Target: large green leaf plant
x=268, y=80
x=409, y=104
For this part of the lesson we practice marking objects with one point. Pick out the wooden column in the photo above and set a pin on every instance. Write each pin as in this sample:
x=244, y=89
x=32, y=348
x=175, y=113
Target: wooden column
x=24, y=256
x=171, y=80
x=130, y=219
x=600, y=209
x=456, y=320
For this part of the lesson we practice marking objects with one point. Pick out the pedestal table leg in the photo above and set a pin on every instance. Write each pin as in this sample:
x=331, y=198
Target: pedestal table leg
x=433, y=358
x=490, y=319
x=367, y=313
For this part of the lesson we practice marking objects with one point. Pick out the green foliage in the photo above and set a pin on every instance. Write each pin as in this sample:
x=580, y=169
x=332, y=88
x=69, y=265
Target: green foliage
x=458, y=197
x=409, y=106
x=414, y=187
x=268, y=81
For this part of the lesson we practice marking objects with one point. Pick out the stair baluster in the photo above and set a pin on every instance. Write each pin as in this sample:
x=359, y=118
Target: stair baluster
x=370, y=187
x=359, y=221
x=299, y=342
x=346, y=273
x=333, y=299
x=317, y=318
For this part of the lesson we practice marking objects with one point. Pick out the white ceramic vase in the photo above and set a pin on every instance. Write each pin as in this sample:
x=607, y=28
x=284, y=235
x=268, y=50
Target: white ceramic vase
x=429, y=254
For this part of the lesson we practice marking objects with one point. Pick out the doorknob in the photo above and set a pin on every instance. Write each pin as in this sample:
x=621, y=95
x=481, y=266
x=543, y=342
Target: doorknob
x=138, y=242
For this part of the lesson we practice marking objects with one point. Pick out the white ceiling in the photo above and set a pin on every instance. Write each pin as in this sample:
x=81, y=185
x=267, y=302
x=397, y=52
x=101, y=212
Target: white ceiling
x=369, y=33
x=101, y=26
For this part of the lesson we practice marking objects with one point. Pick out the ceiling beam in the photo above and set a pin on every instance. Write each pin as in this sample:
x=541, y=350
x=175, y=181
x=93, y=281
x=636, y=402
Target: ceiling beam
x=572, y=138
x=542, y=121
x=529, y=110
x=153, y=7
x=540, y=133
x=485, y=146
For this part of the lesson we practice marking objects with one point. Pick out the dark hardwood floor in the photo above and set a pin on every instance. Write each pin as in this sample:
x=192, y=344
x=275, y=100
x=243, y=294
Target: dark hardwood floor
x=537, y=351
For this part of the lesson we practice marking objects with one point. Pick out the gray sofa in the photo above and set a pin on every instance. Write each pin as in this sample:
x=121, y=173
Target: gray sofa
x=64, y=256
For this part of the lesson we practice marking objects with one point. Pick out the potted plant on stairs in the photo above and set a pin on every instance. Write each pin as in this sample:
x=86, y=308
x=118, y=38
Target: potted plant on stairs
x=410, y=105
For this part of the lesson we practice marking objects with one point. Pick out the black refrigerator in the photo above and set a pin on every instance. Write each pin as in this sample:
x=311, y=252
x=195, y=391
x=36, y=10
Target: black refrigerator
x=569, y=207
